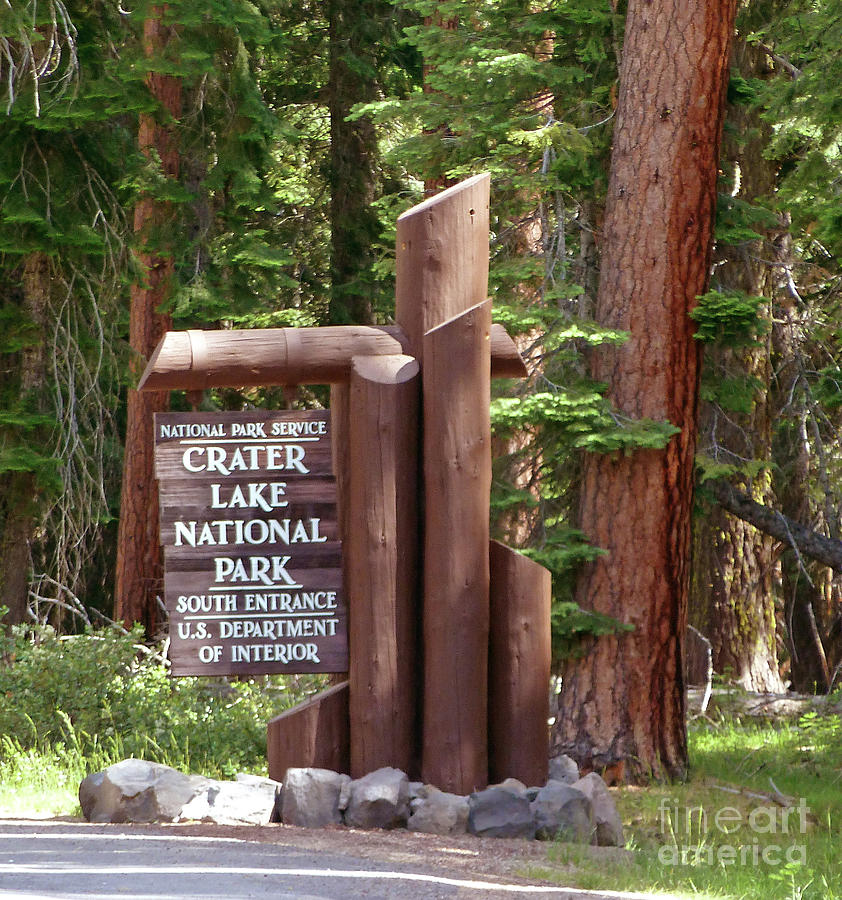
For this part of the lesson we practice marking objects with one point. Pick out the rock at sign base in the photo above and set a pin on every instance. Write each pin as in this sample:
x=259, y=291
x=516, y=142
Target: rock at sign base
x=378, y=800
x=608, y=829
x=564, y=769
x=135, y=790
x=232, y=803
x=438, y=812
x=310, y=797
x=500, y=812
x=562, y=813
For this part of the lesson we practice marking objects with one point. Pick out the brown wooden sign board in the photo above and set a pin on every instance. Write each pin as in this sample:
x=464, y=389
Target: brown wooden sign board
x=253, y=559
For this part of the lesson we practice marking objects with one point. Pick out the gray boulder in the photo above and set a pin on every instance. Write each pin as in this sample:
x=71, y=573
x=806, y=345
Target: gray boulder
x=310, y=797
x=513, y=786
x=562, y=813
x=437, y=812
x=268, y=783
x=135, y=790
x=500, y=812
x=378, y=800
x=563, y=769
x=608, y=829
x=246, y=802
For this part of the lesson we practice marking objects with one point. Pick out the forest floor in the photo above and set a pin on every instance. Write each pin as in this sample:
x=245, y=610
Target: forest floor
x=731, y=701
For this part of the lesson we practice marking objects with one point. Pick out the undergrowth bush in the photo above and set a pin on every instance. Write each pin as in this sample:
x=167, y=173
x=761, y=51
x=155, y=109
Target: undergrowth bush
x=105, y=696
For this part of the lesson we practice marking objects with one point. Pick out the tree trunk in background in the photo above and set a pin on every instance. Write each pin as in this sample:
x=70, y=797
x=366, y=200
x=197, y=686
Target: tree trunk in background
x=139, y=567
x=438, y=182
x=622, y=705
x=732, y=597
x=811, y=597
x=20, y=489
x=518, y=458
x=354, y=172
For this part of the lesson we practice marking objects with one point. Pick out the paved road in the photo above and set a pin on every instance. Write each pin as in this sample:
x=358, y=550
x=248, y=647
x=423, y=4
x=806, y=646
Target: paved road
x=71, y=861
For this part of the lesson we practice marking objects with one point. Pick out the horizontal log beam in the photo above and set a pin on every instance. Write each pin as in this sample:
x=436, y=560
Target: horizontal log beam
x=195, y=360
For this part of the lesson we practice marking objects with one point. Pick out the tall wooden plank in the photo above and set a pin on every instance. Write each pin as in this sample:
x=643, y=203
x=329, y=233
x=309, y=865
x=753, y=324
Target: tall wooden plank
x=313, y=733
x=457, y=481
x=381, y=550
x=518, y=667
x=442, y=259
x=339, y=431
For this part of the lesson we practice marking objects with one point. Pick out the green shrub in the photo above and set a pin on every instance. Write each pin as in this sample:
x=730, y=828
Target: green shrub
x=103, y=692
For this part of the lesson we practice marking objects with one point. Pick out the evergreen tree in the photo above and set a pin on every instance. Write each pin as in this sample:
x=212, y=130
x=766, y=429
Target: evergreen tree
x=623, y=704
x=62, y=256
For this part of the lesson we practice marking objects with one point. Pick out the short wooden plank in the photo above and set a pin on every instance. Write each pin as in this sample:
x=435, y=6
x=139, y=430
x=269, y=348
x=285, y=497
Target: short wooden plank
x=272, y=460
x=442, y=259
x=519, y=667
x=193, y=525
x=312, y=734
x=313, y=490
x=275, y=445
x=506, y=361
x=381, y=553
x=457, y=482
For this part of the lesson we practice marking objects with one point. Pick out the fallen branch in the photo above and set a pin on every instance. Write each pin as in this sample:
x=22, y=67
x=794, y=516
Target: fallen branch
x=803, y=540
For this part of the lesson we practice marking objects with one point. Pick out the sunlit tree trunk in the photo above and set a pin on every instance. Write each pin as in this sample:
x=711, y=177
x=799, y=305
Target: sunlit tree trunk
x=139, y=569
x=622, y=706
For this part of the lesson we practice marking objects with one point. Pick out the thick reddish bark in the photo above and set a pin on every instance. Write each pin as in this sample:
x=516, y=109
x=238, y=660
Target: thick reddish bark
x=139, y=569
x=623, y=704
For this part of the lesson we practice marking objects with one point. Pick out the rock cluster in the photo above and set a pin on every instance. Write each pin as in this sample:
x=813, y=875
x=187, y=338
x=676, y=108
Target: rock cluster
x=567, y=808
x=135, y=790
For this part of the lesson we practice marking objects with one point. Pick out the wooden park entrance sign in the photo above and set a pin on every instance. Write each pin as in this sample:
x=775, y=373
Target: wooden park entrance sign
x=448, y=632
x=253, y=580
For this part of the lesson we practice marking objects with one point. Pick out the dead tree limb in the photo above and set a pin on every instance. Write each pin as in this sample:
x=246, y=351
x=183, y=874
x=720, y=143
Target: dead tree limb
x=803, y=540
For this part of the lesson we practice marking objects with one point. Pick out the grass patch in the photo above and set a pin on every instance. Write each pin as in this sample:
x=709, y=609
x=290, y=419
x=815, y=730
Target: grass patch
x=72, y=705
x=725, y=832
x=37, y=784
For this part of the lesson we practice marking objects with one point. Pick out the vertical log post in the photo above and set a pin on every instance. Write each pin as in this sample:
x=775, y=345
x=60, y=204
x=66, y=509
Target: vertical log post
x=441, y=259
x=519, y=667
x=442, y=272
x=381, y=549
x=457, y=482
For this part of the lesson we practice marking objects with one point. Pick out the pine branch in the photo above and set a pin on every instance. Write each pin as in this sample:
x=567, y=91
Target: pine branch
x=802, y=539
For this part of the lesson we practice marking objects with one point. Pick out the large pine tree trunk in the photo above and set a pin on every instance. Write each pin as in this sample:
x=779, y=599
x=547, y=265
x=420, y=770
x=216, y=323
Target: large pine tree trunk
x=139, y=569
x=732, y=599
x=622, y=706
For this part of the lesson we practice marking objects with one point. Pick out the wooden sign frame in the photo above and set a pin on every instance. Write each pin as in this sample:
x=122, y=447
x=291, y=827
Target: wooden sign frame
x=419, y=570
